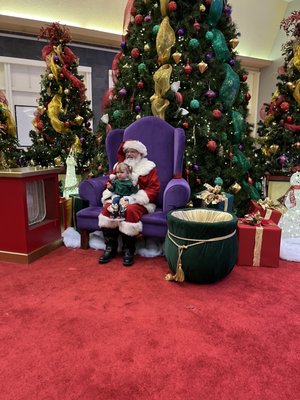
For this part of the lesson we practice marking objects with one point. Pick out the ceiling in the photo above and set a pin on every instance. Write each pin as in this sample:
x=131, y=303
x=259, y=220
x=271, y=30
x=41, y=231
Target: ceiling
x=101, y=21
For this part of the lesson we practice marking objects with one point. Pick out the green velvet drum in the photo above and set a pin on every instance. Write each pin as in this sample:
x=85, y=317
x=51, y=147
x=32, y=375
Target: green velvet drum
x=203, y=241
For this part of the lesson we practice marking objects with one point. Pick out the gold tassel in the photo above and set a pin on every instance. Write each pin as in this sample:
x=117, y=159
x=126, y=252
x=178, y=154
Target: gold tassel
x=179, y=275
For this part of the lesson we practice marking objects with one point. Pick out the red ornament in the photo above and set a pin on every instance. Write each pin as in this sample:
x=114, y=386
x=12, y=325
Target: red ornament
x=179, y=98
x=100, y=167
x=138, y=19
x=244, y=77
x=172, y=6
x=133, y=11
x=250, y=180
x=230, y=154
x=217, y=114
x=196, y=26
x=289, y=119
x=247, y=96
x=198, y=181
x=140, y=85
x=108, y=128
x=40, y=125
x=188, y=69
x=67, y=123
x=61, y=75
x=185, y=125
x=212, y=145
x=285, y=106
x=135, y=53
x=207, y=2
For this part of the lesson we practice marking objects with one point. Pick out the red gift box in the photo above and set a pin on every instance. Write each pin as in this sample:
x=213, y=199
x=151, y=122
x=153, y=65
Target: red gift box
x=259, y=245
x=265, y=212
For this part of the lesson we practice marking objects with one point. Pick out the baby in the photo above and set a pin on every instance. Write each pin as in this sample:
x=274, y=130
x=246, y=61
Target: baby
x=122, y=185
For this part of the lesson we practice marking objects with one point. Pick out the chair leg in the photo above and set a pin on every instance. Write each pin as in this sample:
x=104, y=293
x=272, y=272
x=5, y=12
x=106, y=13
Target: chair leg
x=85, y=236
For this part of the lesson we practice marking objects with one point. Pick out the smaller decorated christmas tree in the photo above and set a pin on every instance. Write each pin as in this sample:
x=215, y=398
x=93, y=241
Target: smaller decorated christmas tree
x=10, y=155
x=62, y=119
x=279, y=128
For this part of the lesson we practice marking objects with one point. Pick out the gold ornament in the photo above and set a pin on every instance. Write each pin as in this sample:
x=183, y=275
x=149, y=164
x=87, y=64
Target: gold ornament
x=235, y=188
x=202, y=66
x=202, y=8
x=291, y=85
x=147, y=47
x=138, y=116
x=273, y=149
x=50, y=76
x=233, y=43
x=297, y=145
x=67, y=91
x=78, y=119
x=57, y=161
x=41, y=109
x=176, y=56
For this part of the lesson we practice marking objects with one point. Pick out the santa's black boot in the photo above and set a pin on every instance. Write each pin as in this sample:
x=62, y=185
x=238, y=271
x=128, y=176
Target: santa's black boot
x=111, y=241
x=128, y=249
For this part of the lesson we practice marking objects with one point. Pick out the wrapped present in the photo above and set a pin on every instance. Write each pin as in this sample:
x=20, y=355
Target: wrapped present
x=259, y=242
x=268, y=209
x=220, y=201
x=65, y=206
x=77, y=204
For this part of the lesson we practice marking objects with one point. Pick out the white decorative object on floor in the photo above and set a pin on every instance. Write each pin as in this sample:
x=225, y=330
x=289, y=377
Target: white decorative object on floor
x=71, y=183
x=71, y=238
x=290, y=222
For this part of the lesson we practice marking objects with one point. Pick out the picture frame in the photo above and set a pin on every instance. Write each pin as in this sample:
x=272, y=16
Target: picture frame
x=24, y=117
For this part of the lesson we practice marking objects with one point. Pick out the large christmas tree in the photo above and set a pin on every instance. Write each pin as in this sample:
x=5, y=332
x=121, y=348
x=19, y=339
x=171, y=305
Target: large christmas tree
x=178, y=61
x=10, y=155
x=62, y=119
x=279, y=129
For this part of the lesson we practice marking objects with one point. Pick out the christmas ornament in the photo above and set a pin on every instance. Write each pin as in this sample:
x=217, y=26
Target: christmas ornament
x=244, y=77
x=67, y=92
x=284, y=106
x=291, y=85
x=211, y=145
x=235, y=188
x=227, y=10
x=202, y=8
x=185, y=125
x=140, y=85
x=135, y=53
x=202, y=66
x=282, y=160
x=138, y=19
x=123, y=45
x=137, y=108
x=122, y=92
x=57, y=161
x=155, y=29
x=147, y=47
x=172, y=6
x=187, y=68
x=78, y=119
x=217, y=114
x=231, y=62
x=180, y=32
x=289, y=119
x=176, y=57
x=210, y=94
x=233, y=43
x=218, y=181
x=250, y=180
x=116, y=114
x=194, y=43
x=194, y=104
x=297, y=145
x=208, y=56
x=147, y=18
x=50, y=77
x=196, y=25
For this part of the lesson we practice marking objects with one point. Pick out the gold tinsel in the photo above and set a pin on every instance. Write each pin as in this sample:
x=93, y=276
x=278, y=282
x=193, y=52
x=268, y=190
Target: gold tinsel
x=9, y=121
x=164, y=7
x=161, y=86
x=296, y=92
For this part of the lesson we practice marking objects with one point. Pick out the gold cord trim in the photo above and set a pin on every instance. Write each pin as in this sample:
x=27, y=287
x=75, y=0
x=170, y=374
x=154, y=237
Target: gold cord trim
x=179, y=275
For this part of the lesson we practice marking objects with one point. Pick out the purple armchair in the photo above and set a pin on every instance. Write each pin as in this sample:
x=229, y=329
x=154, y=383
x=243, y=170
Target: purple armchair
x=165, y=145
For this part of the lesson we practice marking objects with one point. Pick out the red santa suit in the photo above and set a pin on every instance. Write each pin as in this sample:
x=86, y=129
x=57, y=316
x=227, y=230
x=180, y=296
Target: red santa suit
x=143, y=201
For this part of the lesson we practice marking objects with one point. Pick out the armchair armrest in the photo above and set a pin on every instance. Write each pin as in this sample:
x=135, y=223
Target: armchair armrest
x=177, y=194
x=91, y=190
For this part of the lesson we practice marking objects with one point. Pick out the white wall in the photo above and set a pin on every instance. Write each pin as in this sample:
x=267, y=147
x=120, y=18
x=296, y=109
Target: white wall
x=268, y=77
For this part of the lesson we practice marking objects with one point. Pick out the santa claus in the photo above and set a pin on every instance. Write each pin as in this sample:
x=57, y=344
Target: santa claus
x=133, y=153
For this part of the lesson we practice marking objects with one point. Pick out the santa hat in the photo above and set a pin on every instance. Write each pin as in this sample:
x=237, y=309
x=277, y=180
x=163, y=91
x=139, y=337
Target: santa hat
x=136, y=145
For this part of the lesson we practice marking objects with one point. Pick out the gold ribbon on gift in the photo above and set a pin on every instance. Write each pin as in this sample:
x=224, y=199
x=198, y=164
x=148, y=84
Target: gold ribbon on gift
x=54, y=109
x=258, y=246
x=270, y=205
x=165, y=40
x=161, y=86
x=213, y=195
x=164, y=7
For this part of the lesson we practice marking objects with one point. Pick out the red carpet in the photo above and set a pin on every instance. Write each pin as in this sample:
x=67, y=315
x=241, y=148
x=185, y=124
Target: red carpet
x=72, y=329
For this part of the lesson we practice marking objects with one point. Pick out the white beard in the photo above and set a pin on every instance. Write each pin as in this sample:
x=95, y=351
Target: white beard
x=133, y=161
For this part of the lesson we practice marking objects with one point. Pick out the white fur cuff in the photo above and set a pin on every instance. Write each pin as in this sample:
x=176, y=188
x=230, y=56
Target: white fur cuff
x=131, y=228
x=105, y=222
x=140, y=197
